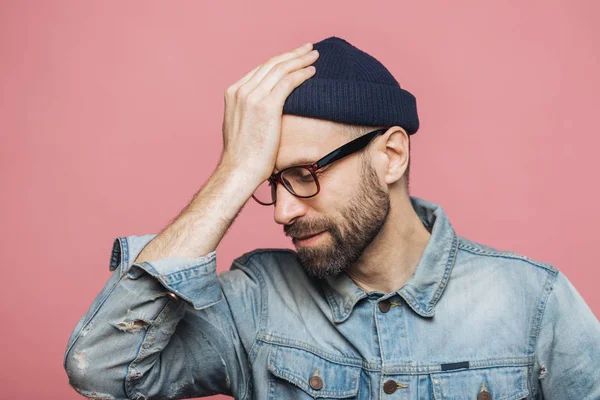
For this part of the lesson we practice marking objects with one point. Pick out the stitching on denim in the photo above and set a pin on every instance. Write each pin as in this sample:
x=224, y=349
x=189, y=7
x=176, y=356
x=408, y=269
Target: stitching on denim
x=244, y=258
x=447, y=272
x=263, y=298
x=202, y=265
x=340, y=314
x=292, y=343
x=250, y=265
x=473, y=365
x=411, y=369
x=414, y=303
x=124, y=254
x=189, y=273
x=409, y=349
x=272, y=384
x=301, y=382
x=505, y=254
x=543, y=301
x=180, y=275
x=254, y=349
x=167, y=284
x=368, y=388
x=509, y=362
x=379, y=338
x=520, y=391
x=521, y=363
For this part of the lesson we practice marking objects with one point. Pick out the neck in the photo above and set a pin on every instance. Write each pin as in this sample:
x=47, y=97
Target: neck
x=391, y=259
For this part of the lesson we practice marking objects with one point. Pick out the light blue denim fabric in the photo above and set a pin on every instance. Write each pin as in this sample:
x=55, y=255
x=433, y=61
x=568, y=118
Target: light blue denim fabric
x=471, y=318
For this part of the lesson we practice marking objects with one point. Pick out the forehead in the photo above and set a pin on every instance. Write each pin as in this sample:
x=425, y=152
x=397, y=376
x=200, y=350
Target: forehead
x=305, y=138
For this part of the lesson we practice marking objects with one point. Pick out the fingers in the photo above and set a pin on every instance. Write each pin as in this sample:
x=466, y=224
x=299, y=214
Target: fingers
x=247, y=77
x=281, y=70
x=264, y=68
x=288, y=83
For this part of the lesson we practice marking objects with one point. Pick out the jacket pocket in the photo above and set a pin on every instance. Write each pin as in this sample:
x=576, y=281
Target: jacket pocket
x=500, y=383
x=300, y=374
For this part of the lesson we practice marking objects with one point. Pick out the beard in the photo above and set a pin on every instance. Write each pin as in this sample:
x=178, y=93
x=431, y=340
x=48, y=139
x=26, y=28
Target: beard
x=361, y=220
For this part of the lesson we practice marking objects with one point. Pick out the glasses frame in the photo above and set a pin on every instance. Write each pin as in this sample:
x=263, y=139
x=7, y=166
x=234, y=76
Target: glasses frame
x=345, y=150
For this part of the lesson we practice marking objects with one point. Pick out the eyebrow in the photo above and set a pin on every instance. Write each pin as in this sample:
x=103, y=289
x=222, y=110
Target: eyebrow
x=300, y=161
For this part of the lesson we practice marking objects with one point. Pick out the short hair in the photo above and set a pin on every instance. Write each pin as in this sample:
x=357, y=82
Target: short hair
x=354, y=131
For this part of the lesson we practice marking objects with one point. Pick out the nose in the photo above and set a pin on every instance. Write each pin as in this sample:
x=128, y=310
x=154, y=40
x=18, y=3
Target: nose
x=288, y=207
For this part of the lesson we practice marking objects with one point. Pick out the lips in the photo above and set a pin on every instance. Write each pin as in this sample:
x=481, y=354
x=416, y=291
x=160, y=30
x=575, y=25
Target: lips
x=308, y=236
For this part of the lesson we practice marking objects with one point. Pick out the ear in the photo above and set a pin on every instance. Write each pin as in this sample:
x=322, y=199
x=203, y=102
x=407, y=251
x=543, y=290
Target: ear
x=393, y=148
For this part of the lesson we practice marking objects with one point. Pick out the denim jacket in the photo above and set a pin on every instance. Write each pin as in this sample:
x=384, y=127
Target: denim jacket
x=472, y=322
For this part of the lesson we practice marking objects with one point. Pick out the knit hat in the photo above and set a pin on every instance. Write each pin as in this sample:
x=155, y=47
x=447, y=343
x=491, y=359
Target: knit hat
x=352, y=87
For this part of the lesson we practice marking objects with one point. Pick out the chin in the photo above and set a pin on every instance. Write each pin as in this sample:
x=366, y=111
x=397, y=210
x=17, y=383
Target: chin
x=319, y=269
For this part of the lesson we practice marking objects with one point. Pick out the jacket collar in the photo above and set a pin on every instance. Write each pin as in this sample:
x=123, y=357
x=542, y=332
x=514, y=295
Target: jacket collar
x=423, y=290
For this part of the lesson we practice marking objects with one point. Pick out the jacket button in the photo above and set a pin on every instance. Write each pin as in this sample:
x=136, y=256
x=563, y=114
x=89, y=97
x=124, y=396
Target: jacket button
x=316, y=382
x=385, y=305
x=173, y=296
x=484, y=395
x=390, y=386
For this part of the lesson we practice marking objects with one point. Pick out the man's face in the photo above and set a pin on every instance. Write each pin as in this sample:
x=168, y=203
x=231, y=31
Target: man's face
x=350, y=209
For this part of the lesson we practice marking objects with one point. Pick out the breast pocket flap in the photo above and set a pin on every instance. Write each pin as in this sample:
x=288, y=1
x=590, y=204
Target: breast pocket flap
x=315, y=375
x=500, y=383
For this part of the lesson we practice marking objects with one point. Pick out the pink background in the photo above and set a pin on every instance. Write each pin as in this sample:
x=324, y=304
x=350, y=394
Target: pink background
x=110, y=120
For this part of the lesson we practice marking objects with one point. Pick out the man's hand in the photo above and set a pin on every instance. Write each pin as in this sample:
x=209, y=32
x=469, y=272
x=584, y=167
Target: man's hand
x=253, y=110
x=251, y=136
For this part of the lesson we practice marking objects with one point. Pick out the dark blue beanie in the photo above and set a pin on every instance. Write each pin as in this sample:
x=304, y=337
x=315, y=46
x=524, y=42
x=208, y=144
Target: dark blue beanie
x=352, y=87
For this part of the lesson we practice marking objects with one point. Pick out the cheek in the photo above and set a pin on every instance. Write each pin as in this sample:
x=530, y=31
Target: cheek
x=337, y=189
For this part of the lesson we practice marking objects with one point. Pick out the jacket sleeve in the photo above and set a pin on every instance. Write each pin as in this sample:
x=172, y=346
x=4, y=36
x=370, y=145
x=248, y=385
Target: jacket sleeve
x=568, y=346
x=164, y=329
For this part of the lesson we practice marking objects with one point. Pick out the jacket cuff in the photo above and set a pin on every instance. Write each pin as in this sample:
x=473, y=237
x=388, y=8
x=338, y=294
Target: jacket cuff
x=126, y=249
x=195, y=280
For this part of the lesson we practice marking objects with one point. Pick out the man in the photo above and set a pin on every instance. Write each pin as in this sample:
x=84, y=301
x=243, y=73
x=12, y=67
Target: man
x=381, y=299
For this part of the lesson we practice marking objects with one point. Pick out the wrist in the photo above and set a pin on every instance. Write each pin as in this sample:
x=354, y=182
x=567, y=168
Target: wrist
x=250, y=177
x=239, y=181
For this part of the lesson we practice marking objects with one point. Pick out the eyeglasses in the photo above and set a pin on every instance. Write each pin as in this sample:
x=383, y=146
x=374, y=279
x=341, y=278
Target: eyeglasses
x=301, y=180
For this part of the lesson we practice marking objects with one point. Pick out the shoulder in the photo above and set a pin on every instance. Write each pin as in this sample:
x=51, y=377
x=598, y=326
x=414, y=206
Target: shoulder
x=506, y=270
x=275, y=275
x=471, y=250
x=513, y=285
x=266, y=255
x=269, y=261
x=270, y=265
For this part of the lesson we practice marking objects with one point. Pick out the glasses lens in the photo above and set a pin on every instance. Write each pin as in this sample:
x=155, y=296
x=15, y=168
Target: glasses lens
x=265, y=193
x=300, y=181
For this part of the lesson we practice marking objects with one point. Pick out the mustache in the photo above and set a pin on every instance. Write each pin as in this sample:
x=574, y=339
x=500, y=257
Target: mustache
x=303, y=228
